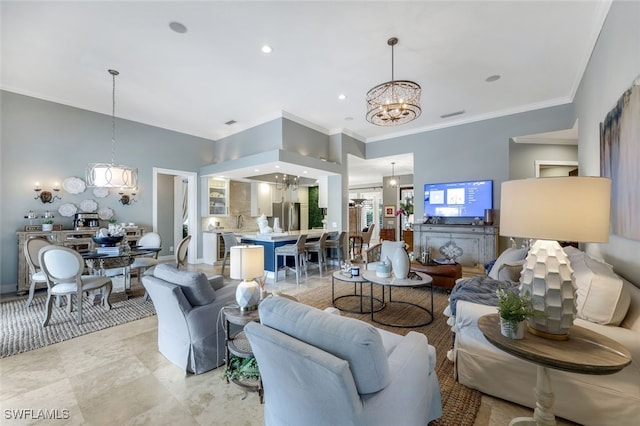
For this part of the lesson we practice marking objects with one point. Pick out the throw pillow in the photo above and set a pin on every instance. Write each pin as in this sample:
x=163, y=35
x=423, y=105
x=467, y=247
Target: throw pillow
x=510, y=256
x=601, y=296
x=194, y=285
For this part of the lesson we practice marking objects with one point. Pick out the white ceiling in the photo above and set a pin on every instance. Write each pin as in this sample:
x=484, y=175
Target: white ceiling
x=215, y=72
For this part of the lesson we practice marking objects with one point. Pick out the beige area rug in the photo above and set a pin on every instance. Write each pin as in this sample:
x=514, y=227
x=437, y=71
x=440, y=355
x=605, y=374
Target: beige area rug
x=459, y=404
x=21, y=327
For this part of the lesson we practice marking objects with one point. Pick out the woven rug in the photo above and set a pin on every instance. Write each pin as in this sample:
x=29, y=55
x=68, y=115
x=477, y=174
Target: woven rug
x=459, y=404
x=21, y=327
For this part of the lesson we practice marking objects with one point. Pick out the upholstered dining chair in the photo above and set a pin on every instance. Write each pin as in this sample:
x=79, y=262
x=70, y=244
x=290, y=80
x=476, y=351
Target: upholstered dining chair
x=141, y=263
x=230, y=240
x=31, y=248
x=181, y=252
x=296, y=251
x=366, y=237
x=319, y=247
x=337, y=246
x=63, y=268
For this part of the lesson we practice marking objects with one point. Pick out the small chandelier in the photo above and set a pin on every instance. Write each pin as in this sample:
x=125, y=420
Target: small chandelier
x=393, y=182
x=394, y=102
x=111, y=175
x=286, y=183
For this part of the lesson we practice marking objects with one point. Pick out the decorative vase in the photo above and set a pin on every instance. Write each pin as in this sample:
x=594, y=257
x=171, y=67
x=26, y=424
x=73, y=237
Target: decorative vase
x=47, y=227
x=512, y=331
x=400, y=263
x=276, y=225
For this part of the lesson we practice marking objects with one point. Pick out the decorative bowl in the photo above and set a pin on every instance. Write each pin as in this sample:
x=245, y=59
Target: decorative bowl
x=107, y=241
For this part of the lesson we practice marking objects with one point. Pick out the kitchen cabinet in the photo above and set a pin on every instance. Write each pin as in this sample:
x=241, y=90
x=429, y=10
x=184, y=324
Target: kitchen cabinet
x=261, y=199
x=215, y=197
x=323, y=192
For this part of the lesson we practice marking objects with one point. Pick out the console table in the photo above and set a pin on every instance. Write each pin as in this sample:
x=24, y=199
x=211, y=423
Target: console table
x=474, y=244
x=585, y=352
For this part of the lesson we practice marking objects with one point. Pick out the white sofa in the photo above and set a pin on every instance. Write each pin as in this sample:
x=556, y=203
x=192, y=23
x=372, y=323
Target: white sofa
x=586, y=399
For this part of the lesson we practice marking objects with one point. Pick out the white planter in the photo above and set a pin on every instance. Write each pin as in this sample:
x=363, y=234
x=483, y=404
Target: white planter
x=511, y=332
x=47, y=226
x=400, y=263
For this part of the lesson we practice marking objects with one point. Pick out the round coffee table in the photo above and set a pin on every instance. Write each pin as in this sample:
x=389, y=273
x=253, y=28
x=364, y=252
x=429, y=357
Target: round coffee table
x=338, y=275
x=423, y=281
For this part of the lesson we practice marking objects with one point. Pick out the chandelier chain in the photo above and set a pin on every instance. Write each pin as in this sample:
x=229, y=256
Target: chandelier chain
x=113, y=116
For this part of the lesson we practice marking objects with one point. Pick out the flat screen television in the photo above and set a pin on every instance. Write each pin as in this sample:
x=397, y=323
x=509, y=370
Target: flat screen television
x=458, y=199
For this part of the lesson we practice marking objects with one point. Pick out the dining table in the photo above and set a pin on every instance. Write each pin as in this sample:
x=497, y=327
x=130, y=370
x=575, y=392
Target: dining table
x=98, y=263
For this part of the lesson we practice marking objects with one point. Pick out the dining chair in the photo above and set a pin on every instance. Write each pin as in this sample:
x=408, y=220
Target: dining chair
x=319, y=247
x=63, y=268
x=296, y=251
x=31, y=248
x=181, y=252
x=142, y=263
x=337, y=246
x=230, y=240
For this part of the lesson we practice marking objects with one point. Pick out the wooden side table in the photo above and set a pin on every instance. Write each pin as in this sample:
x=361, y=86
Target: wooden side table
x=238, y=344
x=585, y=352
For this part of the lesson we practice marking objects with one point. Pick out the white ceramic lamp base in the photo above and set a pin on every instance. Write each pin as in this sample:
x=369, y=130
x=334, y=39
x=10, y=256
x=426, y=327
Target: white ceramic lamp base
x=548, y=277
x=248, y=295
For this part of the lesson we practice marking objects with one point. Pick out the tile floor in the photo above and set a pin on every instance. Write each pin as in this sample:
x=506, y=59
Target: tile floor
x=117, y=376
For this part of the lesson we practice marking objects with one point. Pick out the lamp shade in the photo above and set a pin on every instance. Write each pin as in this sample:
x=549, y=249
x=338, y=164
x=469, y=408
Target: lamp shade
x=247, y=262
x=556, y=208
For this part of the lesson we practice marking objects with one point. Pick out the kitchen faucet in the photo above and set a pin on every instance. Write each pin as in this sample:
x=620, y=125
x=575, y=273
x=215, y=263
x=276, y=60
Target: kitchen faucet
x=239, y=221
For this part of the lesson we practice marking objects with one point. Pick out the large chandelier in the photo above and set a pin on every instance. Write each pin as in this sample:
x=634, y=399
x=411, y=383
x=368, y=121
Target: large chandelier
x=111, y=175
x=286, y=183
x=394, y=102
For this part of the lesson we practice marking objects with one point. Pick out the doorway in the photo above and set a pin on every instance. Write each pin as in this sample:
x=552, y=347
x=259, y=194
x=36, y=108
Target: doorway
x=549, y=168
x=164, y=217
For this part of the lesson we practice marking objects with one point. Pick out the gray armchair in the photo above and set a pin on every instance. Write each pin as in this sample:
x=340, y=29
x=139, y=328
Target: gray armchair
x=322, y=368
x=187, y=305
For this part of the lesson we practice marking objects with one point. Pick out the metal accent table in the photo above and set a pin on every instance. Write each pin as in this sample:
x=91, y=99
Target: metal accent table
x=391, y=282
x=585, y=352
x=338, y=275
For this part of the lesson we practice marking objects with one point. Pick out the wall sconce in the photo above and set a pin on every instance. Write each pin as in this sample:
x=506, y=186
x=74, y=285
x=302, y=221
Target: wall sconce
x=46, y=196
x=125, y=199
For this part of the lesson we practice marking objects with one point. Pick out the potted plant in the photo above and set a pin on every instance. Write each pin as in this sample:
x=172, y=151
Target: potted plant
x=47, y=225
x=513, y=310
x=242, y=369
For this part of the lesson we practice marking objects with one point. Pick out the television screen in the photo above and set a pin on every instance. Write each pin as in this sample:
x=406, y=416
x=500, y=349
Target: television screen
x=458, y=199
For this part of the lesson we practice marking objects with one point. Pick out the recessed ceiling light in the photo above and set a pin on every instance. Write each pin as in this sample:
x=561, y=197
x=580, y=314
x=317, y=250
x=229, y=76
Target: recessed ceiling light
x=342, y=96
x=277, y=166
x=178, y=27
x=256, y=170
x=266, y=49
x=492, y=78
x=305, y=172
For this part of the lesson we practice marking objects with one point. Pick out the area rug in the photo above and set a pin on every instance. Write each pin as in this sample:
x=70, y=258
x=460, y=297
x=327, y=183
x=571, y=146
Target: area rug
x=459, y=404
x=21, y=327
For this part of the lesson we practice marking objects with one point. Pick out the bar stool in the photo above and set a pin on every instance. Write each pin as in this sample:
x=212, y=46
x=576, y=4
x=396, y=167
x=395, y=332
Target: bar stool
x=338, y=245
x=319, y=247
x=297, y=251
x=230, y=240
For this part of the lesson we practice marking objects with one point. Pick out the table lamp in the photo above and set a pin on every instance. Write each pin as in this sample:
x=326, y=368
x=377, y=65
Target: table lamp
x=549, y=210
x=247, y=263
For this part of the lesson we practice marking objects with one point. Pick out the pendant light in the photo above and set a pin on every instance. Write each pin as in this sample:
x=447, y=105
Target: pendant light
x=111, y=175
x=393, y=182
x=394, y=102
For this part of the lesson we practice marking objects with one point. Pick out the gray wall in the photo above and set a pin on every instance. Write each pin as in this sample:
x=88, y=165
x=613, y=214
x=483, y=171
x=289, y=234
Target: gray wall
x=614, y=65
x=47, y=142
x=522, y=157
x=472, y=151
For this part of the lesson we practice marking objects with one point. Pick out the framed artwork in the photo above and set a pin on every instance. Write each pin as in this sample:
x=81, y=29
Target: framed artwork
x=389, y=211
x=619, y=154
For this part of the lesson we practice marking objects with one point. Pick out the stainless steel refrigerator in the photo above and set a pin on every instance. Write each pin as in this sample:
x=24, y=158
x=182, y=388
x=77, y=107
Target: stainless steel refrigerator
x=289, y=214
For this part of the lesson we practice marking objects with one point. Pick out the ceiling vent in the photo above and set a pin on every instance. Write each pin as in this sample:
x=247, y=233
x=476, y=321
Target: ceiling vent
x=230, y=122
x=452, y=114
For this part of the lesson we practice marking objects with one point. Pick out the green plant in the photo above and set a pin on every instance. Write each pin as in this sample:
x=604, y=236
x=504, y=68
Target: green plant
x=48, y=221
x=242, y=369
x=512, y=307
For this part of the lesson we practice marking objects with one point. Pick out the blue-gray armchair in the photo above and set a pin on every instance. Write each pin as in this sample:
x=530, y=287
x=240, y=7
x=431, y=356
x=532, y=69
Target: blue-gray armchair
x=319, y=368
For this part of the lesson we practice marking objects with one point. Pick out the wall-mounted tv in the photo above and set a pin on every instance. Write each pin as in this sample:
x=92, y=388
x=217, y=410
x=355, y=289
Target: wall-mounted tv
x=458, y=199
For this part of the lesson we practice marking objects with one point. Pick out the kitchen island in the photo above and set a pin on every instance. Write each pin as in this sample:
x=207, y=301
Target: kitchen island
x=277, y=239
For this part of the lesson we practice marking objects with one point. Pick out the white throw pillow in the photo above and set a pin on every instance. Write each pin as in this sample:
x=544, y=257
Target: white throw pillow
x=510, y=256
x=388, y=248
x=601, y=296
